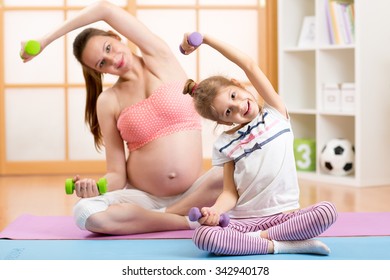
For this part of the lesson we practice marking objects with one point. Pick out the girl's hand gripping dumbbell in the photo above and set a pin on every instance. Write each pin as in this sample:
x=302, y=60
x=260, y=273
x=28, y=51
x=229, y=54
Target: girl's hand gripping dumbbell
x=195, y=39
x=195, y=215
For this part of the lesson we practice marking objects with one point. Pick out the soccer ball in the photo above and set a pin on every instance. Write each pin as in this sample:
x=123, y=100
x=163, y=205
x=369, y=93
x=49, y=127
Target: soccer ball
x=338, y=157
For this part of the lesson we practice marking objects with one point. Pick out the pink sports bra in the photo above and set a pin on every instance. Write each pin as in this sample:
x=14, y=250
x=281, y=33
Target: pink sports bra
x=164, y=112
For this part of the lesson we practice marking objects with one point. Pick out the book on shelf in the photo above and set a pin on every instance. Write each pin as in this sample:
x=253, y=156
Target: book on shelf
x=340, y=17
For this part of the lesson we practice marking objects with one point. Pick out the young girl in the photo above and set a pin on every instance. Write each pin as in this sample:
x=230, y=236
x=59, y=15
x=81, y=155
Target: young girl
x=151, y=186
x=261, y=192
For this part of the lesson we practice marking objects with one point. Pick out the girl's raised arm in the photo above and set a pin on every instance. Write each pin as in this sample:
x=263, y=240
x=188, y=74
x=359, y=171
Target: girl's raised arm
x=255, y=75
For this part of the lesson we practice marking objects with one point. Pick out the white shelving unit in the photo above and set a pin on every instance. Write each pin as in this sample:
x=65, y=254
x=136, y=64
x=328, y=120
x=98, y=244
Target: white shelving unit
x=303, y=71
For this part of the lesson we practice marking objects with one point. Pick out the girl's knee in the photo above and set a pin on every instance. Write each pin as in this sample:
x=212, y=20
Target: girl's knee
x=204, y=237
x=329, y=209
x=197, y=236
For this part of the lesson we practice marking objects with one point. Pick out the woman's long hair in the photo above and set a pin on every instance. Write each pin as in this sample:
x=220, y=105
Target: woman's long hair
x=93, y=81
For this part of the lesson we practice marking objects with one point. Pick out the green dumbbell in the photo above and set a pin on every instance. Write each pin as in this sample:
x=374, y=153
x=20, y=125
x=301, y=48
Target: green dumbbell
x=101, y=185
x=32, y=47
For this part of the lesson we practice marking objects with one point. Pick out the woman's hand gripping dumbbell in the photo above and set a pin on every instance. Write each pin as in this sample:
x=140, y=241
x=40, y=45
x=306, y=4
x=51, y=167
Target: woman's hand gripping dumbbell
x=70, y=185
x=30, y=49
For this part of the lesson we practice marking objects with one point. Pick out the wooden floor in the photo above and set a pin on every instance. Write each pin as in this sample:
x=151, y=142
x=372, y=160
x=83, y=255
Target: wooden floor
x=38, y=195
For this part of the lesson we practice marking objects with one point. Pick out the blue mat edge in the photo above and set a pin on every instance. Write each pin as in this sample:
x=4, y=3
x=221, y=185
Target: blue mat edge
x=342, y=248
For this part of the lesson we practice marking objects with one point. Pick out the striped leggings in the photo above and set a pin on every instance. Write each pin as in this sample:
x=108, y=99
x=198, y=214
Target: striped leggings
x=299, y=225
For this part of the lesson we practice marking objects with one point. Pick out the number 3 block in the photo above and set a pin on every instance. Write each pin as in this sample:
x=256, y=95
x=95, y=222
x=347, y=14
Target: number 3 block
x=305, y=154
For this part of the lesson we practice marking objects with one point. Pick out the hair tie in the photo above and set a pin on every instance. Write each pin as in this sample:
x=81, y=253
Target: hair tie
x=193, y=89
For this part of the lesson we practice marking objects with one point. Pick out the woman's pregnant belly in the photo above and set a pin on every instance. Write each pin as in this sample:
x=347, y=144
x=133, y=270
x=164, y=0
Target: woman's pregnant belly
x=167, y=166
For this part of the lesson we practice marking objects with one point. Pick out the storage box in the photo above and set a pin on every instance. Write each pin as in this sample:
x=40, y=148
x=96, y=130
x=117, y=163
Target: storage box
x=305, y=154
x=347, y=97
x=331, y=94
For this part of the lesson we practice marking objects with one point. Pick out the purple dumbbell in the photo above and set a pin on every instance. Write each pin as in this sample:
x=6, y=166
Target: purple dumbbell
x=195, y=215
x=195, y=39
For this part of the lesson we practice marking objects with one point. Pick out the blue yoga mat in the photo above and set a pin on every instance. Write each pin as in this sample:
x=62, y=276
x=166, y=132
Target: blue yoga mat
x=343, y=248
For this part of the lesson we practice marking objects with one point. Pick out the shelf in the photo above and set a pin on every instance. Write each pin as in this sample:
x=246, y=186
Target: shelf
x=313, y=81
x=299, y=49
x=332, y=113
x=321, y=47
x=337, y=47
x=302, y=111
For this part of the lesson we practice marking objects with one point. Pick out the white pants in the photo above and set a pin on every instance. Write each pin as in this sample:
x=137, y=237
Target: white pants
x=85, y=207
